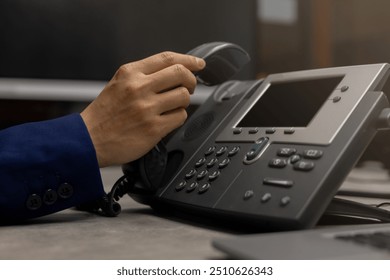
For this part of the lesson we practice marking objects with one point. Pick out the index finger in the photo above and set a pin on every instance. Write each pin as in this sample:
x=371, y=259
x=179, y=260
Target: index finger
x=163, y=60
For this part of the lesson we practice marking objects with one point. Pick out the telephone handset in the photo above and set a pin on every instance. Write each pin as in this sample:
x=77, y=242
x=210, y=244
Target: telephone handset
x=143, y=177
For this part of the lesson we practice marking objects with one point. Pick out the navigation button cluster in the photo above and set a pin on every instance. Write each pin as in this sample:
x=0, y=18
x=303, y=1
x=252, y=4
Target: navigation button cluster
x=301, y=161
x=304, y=160
x=255, y=150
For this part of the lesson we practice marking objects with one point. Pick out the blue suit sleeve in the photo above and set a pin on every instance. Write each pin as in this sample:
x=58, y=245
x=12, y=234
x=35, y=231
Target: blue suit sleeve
x=46, y=167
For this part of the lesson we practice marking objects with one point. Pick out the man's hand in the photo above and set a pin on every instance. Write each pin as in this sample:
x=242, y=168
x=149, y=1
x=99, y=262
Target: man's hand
x=144, y=101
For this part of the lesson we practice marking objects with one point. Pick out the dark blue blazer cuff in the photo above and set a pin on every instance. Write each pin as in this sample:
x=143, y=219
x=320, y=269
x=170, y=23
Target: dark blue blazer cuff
x=46, y=167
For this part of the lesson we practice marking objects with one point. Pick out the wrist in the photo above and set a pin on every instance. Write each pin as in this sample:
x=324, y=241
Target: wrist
x=93, y=131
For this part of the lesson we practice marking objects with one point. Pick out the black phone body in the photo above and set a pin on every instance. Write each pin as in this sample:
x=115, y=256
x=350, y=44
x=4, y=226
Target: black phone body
x=272, y=153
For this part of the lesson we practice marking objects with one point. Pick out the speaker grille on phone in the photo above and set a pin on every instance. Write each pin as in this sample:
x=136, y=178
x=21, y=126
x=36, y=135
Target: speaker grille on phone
x=198, y=126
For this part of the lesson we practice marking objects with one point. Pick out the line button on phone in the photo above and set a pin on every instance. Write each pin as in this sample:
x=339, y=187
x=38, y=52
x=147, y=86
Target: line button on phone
x=290, y=130
x=237, y=130
x=270, y=130
x=253, y=130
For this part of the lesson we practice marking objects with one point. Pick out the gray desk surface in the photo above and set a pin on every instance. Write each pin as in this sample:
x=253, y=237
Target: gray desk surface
x=137, y=233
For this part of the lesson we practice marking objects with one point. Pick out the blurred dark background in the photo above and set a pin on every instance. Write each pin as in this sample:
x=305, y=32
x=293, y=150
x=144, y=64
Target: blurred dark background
x=89, y=39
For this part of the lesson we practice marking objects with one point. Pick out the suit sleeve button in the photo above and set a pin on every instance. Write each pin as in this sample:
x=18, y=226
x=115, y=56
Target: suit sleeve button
x=50, y=197
x=33, y=202
x=65, y=190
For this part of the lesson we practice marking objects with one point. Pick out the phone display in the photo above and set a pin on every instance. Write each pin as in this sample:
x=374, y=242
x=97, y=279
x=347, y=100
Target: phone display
x=290, y=104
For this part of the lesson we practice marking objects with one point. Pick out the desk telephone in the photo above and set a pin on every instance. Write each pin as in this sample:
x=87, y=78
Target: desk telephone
x=271, y=153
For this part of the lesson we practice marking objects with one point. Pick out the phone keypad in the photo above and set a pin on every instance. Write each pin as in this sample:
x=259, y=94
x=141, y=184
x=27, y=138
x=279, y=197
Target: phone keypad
x=207, y=169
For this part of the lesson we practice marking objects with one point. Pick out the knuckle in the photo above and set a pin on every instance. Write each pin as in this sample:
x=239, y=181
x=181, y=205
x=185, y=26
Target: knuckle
x=141, y=115
x=185, y=95
x=192, y=80
x=128, y=71
x=154, y=129
x=131, y=88
x=135, y=86
x=142, y=109
x=168, y=57
x=123, y=70
x=185, y=74
x=182, y=116
x=180, y=69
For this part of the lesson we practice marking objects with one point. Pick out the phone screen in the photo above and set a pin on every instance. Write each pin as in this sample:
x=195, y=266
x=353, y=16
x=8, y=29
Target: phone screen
x=290, y=104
